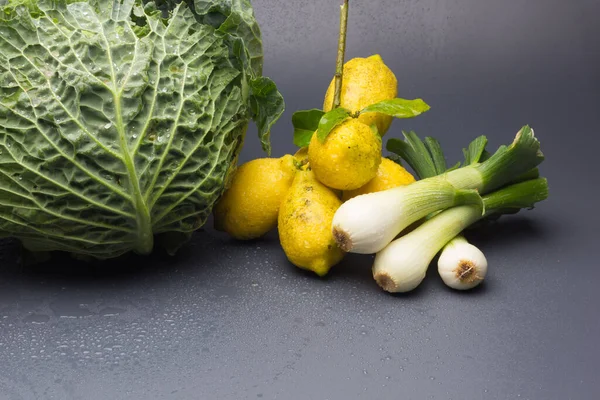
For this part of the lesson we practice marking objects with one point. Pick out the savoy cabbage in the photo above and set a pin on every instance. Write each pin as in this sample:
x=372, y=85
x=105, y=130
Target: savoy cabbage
x=121, y=120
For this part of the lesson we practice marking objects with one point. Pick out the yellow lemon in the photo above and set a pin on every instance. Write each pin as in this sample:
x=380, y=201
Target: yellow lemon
x=348, y=158
x=302, y=157
x=305, y=224
x=365, y=81
x=249, y=207
x=389, y=175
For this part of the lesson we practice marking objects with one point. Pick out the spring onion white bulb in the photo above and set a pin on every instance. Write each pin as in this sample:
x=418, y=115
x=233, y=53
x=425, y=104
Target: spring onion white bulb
x=366, y=224
x=402, y=265
x=461, y=265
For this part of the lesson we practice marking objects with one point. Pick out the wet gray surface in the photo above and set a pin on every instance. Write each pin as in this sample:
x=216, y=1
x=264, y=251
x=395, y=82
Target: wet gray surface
x=228, y=320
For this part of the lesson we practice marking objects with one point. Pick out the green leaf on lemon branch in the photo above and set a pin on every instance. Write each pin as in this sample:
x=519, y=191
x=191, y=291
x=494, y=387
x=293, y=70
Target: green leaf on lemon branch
x=305, y=124
x=399, y=108
x=330, y=120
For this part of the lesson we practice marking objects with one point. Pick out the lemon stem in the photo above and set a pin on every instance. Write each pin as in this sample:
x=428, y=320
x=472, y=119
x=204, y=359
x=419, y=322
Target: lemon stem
x=339, y=70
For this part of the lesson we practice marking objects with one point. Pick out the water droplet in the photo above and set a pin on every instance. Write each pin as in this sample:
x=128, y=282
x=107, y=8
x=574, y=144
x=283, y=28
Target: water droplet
x=35, y=318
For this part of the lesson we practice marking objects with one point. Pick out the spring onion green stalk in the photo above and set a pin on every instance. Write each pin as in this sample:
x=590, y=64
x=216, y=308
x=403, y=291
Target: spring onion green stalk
x=531, y=174
x=461, y=265
x=366, y=224
x=402, y=265
x=359, y=229
x=508, y=163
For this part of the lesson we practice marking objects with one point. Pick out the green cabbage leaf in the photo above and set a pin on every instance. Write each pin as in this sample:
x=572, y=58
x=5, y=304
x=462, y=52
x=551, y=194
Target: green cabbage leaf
x=121, y=120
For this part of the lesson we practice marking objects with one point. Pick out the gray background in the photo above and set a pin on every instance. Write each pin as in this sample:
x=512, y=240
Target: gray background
x=235, y=320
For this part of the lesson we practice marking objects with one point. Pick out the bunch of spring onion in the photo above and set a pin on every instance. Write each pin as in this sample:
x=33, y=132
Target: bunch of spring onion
x=432, y=212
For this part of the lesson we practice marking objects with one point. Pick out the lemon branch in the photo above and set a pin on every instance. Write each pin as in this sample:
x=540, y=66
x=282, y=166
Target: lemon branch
x=339, y=71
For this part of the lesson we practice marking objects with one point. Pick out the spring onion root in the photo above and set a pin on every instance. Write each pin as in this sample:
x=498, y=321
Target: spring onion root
x=461, y=265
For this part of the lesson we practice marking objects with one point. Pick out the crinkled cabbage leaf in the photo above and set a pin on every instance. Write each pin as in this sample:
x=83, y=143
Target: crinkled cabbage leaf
x=121, y=120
